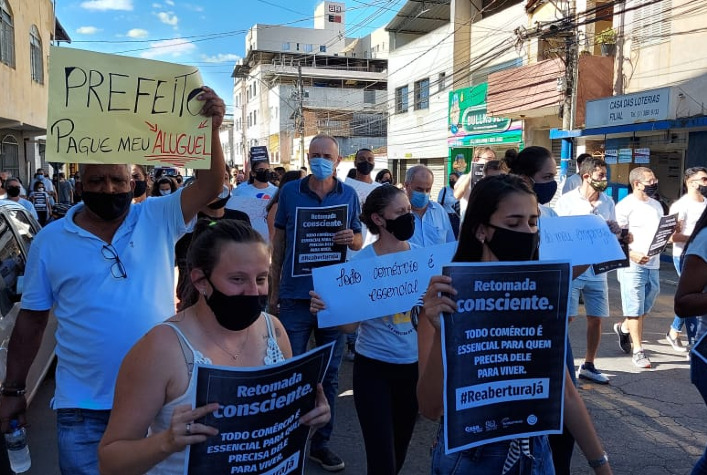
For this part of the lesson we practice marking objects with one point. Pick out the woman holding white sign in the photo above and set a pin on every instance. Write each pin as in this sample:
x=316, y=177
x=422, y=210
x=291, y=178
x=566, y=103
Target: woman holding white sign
x=223, y=324
x=500, y=225
x=385, y=365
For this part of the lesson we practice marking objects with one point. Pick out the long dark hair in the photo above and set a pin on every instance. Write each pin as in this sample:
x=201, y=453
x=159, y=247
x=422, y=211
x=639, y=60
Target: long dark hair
x=165, y=179
x=529, y=161
x=380, y=174
x=206, y=249
x=376, y=202
x=483, y=203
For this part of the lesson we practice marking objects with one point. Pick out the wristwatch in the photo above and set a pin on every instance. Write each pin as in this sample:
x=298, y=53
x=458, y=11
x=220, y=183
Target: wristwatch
x=12, y=392
x=596, y=463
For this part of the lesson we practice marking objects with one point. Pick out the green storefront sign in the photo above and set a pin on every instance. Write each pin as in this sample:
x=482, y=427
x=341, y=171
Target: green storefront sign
x=469, y=126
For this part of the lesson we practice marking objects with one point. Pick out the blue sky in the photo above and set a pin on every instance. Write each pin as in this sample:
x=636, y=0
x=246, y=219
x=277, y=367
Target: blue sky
x=209, y=34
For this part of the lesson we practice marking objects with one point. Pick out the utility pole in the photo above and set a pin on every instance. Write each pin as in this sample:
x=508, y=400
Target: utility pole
x=300, y=95
x=570, y=92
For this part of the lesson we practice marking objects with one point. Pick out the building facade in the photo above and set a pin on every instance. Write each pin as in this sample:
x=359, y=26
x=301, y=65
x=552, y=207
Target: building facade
x=296, y=82
x=27, y=28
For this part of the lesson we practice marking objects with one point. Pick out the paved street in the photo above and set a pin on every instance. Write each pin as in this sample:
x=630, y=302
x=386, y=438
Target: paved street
x=651, y=422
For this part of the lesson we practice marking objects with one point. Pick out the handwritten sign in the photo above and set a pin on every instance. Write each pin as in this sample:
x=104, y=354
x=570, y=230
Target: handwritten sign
x=106, y=108
x=666, y=228
x=258, y=417
x=384, y=285
x=582, y=240
x=255, y=209
x=504, y=352
x=314, y=238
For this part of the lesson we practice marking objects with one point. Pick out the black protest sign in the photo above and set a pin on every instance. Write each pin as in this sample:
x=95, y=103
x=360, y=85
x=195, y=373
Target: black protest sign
x=258, y=154
x=314, y=238
x=612, y=265
x=504, y=352
x=666, y=228
x=258, y=417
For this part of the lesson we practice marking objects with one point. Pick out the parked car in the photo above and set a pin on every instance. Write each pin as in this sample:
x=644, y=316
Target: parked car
x=17, y=231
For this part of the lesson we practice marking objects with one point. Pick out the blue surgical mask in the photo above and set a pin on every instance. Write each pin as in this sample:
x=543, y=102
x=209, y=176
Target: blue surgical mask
x=322, y=168
x=419, y=199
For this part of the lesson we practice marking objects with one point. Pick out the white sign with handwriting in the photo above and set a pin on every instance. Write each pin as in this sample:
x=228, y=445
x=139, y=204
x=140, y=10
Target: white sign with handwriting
x=363, y=289
x=583, y=240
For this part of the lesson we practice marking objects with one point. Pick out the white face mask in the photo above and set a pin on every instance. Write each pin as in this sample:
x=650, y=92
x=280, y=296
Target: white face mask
x=165, y=192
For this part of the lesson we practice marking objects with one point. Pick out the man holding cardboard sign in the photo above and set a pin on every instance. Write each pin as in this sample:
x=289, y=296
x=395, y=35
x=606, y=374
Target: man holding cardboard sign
x=104, y=292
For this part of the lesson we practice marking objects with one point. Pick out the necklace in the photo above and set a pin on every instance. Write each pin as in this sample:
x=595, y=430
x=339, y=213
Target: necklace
x=234, y=356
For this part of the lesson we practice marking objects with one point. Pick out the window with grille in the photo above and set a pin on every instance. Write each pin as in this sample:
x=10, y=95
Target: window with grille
x=7, y=35
x=401, y=100
x=652, y=23
x=35, y=55
x=9, y=155
x=422, y=94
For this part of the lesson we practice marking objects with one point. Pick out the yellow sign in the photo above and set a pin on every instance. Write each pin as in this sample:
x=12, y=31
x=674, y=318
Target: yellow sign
x=105, y=108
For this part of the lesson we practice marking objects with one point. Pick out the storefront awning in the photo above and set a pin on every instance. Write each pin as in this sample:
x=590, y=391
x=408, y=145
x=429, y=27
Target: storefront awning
x=695, y=122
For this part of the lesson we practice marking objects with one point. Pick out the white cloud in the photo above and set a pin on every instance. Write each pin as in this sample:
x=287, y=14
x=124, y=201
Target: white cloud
x=168, y=18
x=156, y=5
x=108, y=5
x=137, y=33
x=195, y=8
x=173, y=48
x=169, y=2
x=221, y=58
x=87, y=30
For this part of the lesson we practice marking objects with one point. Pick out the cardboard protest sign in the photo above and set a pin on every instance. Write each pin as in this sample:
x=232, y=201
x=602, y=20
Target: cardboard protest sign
x=314, y=238
x=258, y=418
x=582, y=240
x=105, y=108
x=504, y=352
x=384, y=285
x=666, y=228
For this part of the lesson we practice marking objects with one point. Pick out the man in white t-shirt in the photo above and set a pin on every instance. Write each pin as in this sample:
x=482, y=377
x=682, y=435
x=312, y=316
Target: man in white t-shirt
x=364, y=162
x=689, y=208
x=259, y=192
x=640, y=284
x=107, y=271
x=589, y=198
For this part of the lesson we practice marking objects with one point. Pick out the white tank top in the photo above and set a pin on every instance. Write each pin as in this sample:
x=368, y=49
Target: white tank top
x=174, y=464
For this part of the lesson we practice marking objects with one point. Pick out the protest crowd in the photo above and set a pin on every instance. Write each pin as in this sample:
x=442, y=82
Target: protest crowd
x=168, y=275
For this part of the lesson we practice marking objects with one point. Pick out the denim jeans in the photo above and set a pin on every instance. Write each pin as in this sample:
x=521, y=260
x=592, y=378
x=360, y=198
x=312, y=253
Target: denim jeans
x=489, y=459
x=78, y=433
x=299, y=324
x=679, y=323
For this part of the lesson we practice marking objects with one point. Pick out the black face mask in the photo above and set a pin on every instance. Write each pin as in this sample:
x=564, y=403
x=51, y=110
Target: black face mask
x=402, y=227
x=14, y=191
x=140, y=187
x=219, y=203
x=386, y=182
x=651, y=190
x=235, y=312
x=262, y=175
x=701, y=188
x=508, y=245
x=545, y=191
x=365, y=168
x=108, y=206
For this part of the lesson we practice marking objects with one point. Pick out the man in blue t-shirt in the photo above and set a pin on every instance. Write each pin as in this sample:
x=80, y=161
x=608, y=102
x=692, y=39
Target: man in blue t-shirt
x=317, y=219
x=107, y=271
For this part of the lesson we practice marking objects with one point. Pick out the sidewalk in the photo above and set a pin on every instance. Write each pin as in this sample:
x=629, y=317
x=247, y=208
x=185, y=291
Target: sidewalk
x=651, y=422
